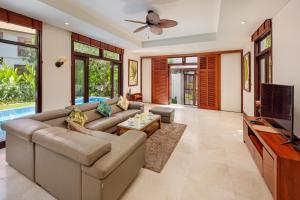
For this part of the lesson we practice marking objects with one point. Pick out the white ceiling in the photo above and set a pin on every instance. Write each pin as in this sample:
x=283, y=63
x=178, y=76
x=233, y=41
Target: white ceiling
x=203, y=25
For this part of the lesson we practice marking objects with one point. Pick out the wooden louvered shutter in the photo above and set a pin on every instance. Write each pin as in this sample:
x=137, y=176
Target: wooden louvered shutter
x=209, y=82
x=160, y=81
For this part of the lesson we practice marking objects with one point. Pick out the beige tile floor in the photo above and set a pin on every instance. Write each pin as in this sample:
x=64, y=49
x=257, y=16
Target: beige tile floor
x=209, y=163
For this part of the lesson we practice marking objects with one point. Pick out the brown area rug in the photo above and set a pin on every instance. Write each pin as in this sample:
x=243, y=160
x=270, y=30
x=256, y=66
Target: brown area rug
x=161, y=144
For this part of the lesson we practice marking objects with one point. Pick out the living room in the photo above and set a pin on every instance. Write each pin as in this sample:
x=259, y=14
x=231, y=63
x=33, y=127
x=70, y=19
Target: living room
x=149, y=99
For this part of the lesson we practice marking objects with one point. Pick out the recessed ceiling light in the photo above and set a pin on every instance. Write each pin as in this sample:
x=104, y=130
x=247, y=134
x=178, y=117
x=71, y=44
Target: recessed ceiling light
x=243, y=22
x=67, y=23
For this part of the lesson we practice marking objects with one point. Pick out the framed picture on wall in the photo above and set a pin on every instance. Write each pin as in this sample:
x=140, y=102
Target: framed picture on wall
x=132, y=73
x=247, y=72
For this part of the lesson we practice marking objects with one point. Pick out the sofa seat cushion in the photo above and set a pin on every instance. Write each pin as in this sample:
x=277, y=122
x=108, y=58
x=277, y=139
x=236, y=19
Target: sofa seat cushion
x=81, y=148
x=127, y=114
x=122, y=147
x=23, y=128
x=103, y=123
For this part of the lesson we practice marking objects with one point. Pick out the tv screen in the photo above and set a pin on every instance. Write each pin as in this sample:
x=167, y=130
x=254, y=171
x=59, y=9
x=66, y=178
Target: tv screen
x=277, y=106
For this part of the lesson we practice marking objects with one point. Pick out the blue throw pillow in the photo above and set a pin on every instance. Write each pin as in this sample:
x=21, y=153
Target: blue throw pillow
x=104, y=109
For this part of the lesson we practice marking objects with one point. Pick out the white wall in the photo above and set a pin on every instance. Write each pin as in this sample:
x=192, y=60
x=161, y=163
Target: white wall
x=286, y=43
x=147, y=79
x=285, y=32
x=248, y=97
x=56, y=86
x=231, y=82
x=134, y=89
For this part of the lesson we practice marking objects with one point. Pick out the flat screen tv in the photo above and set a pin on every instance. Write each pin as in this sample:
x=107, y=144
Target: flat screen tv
x=277, y=107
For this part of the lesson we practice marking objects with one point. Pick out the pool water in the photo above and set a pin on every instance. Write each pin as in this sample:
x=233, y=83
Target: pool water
x=10, y=114
x=91, y=100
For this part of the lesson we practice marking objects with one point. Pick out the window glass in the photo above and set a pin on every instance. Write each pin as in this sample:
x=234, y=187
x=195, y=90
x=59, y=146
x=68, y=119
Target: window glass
x=17, y=83
x=265, y=43
x=111, y=55
x=17, y=33
x=116, y=80
x=87, y=49
x=99, y=79
x=79, y=81
x=174, y=60
x=191, y=59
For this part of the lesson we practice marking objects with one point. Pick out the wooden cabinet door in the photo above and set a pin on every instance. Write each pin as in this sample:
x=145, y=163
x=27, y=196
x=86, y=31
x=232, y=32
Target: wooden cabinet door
x=269, y=171
x=160, y=80
x=209, y=82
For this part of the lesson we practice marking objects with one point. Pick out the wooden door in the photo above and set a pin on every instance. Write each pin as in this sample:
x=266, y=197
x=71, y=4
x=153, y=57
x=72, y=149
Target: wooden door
x=209, y=82
x=160, y=80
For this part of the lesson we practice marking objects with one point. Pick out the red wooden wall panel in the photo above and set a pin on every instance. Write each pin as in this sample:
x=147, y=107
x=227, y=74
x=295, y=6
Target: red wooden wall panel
x=209, y=82
x=160, y=81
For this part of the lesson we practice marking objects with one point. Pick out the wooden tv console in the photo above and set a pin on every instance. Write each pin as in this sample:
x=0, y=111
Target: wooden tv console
x=278, y=164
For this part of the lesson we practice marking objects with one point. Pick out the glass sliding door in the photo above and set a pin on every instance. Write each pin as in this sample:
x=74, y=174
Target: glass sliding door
x=99, y=80
x=79, y=81
x=116, y=80
x=19, y=59
x=95, y=71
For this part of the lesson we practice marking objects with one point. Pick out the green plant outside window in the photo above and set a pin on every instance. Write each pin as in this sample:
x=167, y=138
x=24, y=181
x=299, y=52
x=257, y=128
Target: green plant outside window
x=111, y=55
x=86, y=49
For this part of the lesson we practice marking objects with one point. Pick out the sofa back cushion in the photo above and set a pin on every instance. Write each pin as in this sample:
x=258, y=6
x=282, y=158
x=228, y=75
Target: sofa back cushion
x=92, y=115
x=59, y=122
x=49, y=115
x=115, y=109
x=112, y=101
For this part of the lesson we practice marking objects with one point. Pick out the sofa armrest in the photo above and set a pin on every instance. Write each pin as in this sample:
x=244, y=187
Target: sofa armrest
x=136, y=105
x=23, y=128
x=79, y=147
x=122, y=147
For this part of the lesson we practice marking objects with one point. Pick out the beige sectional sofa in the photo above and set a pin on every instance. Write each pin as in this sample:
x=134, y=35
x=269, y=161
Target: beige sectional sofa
x=72, y=165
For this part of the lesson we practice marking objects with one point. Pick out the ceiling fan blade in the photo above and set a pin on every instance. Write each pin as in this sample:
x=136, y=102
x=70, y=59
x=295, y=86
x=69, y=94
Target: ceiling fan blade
x=134, y=21
x=156, y=30
x=141, y=28
x=166, y=23
x=152, y=17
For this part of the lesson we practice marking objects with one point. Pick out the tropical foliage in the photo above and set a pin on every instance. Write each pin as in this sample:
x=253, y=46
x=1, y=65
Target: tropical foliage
x=99, y=78
x=17, y=87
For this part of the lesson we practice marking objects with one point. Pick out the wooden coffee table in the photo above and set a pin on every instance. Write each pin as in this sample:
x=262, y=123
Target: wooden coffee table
x=149, y=126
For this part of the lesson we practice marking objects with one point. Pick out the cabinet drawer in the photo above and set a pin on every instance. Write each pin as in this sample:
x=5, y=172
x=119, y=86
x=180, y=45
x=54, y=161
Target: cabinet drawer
x=269, y=171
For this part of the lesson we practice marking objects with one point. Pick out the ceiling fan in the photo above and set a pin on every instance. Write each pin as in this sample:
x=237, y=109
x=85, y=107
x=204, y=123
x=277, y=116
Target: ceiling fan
x=154, y=22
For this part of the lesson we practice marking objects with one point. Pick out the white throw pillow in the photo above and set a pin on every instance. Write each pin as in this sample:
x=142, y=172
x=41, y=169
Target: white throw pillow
x=123, y=103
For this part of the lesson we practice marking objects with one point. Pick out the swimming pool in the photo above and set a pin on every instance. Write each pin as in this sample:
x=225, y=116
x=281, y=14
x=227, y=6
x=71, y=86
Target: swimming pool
x=91, y=99
x=10, y=114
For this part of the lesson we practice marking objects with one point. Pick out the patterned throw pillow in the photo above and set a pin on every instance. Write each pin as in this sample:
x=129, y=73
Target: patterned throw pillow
x=123, y=103
x=104, y=109
x=77, y=116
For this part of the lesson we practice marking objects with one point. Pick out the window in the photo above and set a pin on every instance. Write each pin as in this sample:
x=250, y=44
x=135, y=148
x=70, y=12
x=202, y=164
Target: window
x=111, y=55
x=175, y=60
x=96, y=73
x=19, y=72
x=265, y=43
x=191, y=60
x=86, y=49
